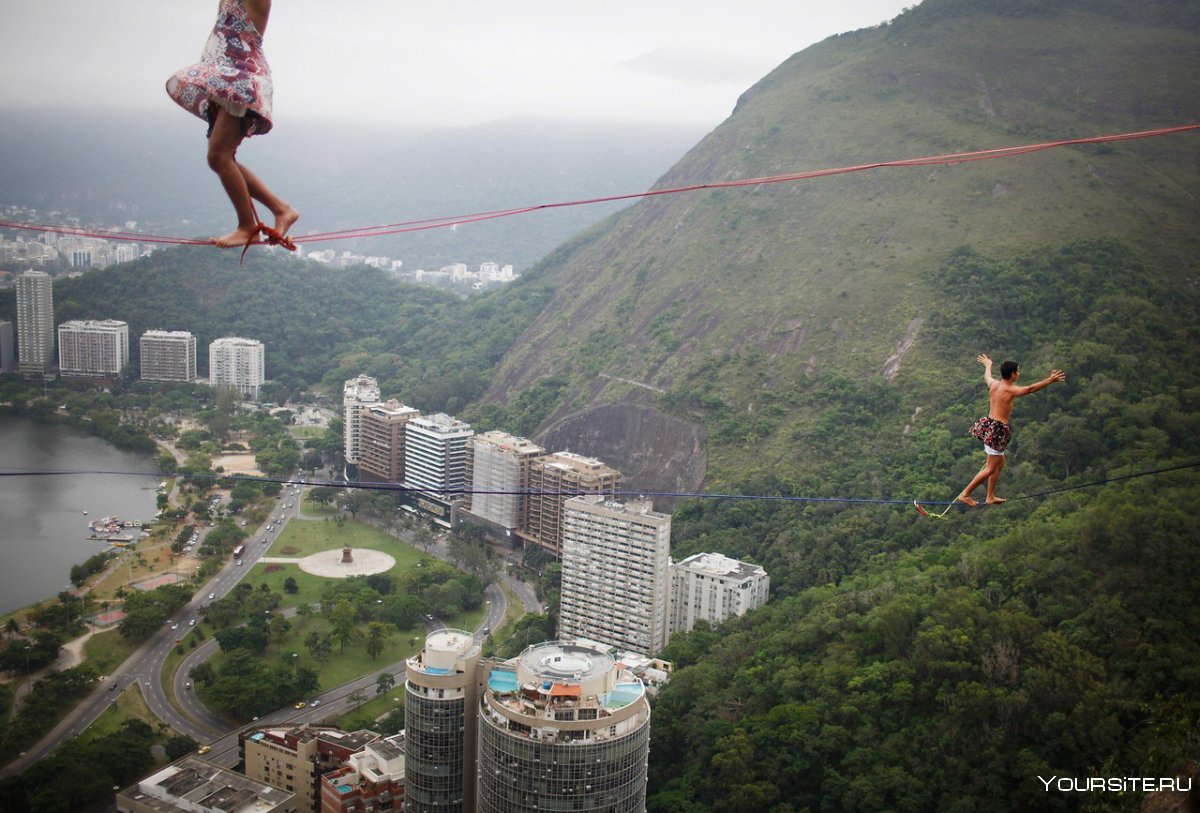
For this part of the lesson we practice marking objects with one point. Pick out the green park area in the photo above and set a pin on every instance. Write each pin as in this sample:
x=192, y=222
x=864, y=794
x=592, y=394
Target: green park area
x=286, y=634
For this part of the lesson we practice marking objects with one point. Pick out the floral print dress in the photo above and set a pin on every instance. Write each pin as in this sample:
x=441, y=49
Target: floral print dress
x=233, y=73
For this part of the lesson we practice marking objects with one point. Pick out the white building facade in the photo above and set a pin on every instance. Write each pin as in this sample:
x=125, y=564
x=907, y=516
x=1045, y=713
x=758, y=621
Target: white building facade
x=93, y=349
x=616, y=585
x=238, y=363
x=713, y=587
x=357, y=395
x=35, y=323
x=435, y=450
x=498, y=477
x=167, y=355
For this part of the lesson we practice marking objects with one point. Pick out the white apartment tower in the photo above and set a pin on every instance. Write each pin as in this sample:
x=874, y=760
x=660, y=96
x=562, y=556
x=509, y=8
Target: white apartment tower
x=712, y=587
x=167, y=355
x=435, y=450
x=238, y=363
x=497, y=473
x=35, y=323
x=616, y=579
x=95, y=349
x=357, y=394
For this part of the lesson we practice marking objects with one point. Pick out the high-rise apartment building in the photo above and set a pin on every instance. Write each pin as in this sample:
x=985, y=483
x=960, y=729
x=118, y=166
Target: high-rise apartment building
x=97, y=349
x=295, y=757
x=563, y=726
x=440, y=724
x=435, y=448
x=8, y=348
x=357, y=394
x=616, y=585
x=713, y=587
x=497, y=475
x=381, y=442
x=552, y=481
x=238, y=363
x=167, y=355
x=35, y=323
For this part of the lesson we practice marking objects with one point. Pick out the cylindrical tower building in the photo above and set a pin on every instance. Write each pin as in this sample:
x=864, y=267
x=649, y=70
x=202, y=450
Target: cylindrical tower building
x=440, y=695
x=562, y=727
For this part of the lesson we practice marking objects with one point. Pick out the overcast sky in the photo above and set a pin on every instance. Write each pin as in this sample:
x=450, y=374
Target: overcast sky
x=448, y=63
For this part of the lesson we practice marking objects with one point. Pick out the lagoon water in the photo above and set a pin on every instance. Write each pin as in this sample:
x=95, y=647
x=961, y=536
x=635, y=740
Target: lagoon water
x=43, y=530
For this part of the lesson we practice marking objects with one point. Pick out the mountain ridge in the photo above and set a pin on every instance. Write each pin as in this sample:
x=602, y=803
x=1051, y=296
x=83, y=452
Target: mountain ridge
x=828, y=273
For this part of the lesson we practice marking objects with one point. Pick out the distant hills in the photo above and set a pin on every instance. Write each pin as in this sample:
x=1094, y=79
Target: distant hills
x=831, y=276
x=113, y=167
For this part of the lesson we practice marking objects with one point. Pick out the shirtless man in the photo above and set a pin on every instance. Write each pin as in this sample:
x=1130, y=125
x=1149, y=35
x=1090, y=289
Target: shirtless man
x=995, y=430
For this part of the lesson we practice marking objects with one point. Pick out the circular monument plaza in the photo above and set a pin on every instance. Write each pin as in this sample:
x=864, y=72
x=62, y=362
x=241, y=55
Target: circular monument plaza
x=342, y=563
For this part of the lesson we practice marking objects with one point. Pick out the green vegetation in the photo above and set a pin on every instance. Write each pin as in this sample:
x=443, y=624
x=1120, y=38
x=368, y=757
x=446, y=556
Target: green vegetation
x=268, y=660
x=50, y=698
x=113, y=752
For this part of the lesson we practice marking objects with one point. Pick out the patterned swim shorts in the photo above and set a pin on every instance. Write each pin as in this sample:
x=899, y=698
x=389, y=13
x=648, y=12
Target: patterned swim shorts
x=994, y=434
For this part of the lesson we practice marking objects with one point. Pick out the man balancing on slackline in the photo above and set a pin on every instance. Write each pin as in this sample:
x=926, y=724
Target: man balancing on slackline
x=995, y=430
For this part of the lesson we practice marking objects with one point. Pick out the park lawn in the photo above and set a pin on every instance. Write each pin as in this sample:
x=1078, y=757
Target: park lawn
x=303, y=538
x=310, y=585
x=307, y=432
x=106, y=651
x=315, y=509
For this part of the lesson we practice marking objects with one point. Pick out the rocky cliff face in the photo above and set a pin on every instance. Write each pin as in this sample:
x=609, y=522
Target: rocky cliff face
x=654, y=452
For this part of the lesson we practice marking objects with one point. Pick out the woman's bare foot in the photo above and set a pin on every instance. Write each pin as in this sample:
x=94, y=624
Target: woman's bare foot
x=996, y=501
x=965, y=500
x=285, y=218
x=238, y=237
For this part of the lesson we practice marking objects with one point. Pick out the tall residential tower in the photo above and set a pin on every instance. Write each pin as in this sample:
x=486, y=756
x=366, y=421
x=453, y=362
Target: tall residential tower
x=357, y=394
x=616, y=568
x=238, y=363
x=94, y=349
x=563, y=726
x=440, y=724
x=35, y=323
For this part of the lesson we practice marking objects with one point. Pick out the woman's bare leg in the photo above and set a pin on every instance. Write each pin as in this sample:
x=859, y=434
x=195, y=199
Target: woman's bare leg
x=222, y=150
x=285, y=215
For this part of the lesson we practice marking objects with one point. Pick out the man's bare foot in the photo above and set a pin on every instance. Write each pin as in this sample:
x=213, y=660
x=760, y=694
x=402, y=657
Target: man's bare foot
x=996, y=501
x=238, y=237
x=285, y=218
x=965, y=500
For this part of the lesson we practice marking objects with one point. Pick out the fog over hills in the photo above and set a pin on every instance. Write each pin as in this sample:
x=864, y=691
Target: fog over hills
x=109, y=168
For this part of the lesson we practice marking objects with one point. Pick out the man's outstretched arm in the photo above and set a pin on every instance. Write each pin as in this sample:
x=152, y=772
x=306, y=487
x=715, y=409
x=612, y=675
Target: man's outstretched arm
x=1055, y=375
x=983, y=359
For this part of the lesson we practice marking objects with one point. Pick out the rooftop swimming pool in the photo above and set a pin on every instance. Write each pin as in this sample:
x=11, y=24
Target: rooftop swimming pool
x=501, y=680
x=622, y=695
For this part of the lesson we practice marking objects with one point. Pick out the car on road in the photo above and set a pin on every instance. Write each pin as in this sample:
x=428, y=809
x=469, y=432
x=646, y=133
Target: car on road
x=211, y=596
x=300, y=705
x=203, y=749
x=192, y=623
x=315, y=703
x=487, y=630
x=174, y=626
x=187, y=685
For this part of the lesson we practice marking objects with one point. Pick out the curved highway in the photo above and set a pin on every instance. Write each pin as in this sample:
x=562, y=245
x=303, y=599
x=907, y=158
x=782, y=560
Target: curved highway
x=196, y=720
